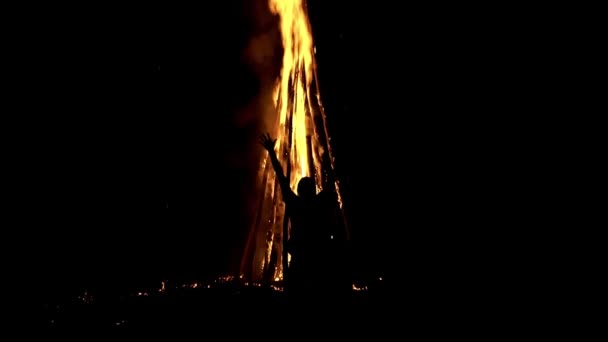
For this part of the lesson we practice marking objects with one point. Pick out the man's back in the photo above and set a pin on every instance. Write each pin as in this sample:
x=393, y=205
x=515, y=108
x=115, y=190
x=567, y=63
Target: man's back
x=316, y=238
x=317, y=243
x=308, y=229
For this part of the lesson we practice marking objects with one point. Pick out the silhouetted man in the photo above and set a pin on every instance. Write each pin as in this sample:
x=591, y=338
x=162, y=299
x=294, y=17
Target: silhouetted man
x=316, y=241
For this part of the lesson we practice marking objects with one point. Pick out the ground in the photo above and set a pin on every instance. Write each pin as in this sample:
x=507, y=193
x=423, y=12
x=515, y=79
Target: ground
x=211, y=307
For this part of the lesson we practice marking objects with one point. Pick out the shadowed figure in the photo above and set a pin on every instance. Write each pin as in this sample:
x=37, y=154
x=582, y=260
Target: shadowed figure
x=317, y=241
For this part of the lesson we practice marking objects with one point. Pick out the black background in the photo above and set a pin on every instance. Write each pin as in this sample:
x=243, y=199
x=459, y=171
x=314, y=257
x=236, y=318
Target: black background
x=126, y=165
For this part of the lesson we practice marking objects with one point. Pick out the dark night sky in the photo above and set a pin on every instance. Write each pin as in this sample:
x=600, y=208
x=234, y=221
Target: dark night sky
x=127, y=115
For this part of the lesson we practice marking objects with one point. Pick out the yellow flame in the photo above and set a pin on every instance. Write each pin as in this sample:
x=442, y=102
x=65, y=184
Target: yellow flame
x=302, y=141
x=292, y=92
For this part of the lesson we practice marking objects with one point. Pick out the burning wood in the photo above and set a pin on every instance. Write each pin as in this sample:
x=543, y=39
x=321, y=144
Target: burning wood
x=302, y=142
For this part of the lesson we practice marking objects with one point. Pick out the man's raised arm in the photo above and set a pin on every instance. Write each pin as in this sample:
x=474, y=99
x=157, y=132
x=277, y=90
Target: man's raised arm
x=268, y=143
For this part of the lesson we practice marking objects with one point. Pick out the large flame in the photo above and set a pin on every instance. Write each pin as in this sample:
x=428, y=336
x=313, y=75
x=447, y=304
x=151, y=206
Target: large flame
x=302, y=141
x=295, y=80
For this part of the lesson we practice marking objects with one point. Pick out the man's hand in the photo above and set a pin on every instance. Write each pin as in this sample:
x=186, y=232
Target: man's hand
x=267, y=142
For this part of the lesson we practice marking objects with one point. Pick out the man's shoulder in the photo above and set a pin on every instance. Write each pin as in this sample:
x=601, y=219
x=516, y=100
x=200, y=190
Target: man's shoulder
x=327, y=195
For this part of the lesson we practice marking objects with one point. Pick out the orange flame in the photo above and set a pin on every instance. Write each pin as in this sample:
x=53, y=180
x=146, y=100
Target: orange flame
x=292, y=91
x=302, y=141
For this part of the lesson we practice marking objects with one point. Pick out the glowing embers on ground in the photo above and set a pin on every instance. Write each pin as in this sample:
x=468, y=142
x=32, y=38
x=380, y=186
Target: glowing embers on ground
x=219, y=282
x=222, y=282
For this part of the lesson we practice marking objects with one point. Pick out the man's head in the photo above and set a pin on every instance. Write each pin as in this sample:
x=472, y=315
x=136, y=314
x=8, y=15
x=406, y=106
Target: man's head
x=307, y=187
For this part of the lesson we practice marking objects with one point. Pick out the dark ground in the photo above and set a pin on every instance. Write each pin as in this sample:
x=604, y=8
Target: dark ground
x=208, y=310
x=231, y=309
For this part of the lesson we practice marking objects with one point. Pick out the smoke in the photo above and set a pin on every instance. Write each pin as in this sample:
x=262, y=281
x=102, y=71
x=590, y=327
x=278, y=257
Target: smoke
x=263, y=54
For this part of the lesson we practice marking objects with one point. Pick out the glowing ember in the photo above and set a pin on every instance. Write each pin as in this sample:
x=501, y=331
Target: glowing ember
x=357, y=288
